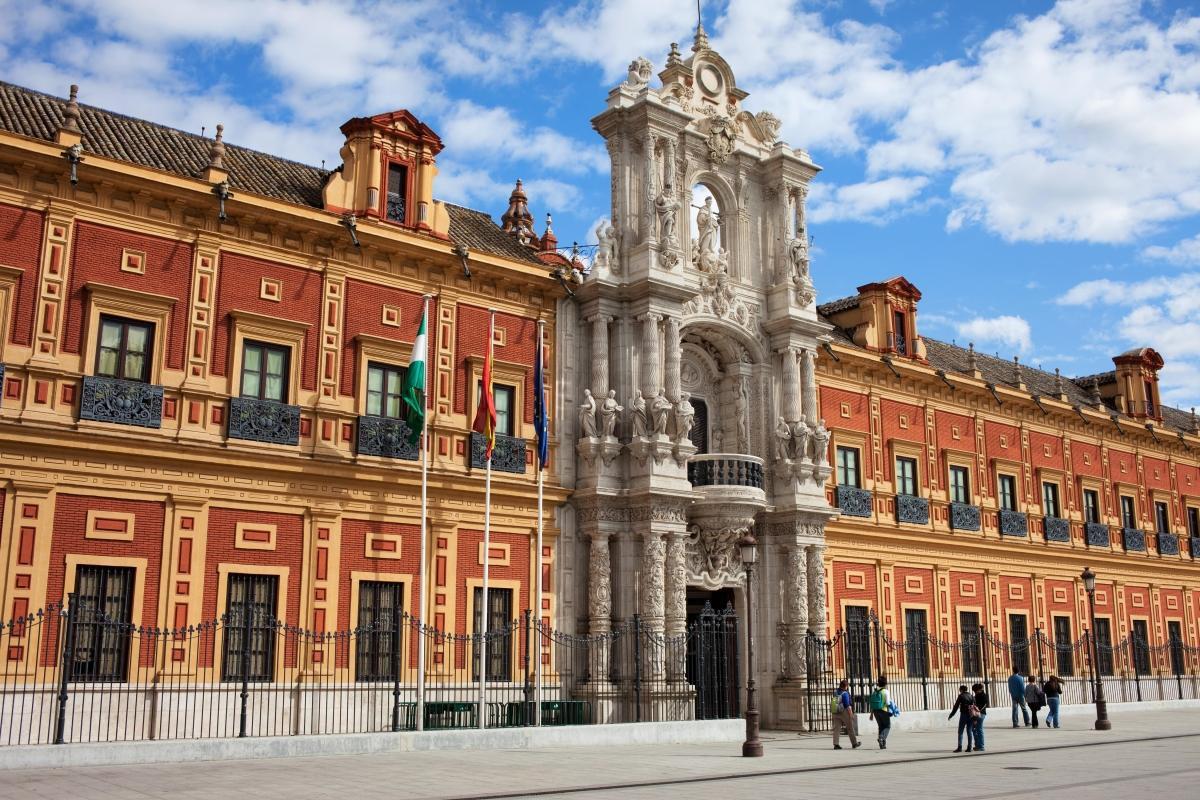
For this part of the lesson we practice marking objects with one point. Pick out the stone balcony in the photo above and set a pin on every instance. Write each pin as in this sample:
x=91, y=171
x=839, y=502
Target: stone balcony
x=726, y=485
x=121, y=402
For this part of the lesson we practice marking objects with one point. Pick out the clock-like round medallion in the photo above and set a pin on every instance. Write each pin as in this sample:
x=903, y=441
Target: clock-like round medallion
x=709, y=79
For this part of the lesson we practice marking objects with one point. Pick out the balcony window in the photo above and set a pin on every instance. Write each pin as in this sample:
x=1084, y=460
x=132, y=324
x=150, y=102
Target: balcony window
x=1050, y=499
x=1149, y=388
x=898, y=328
x=385, y=385
x=847, y=467
x=265, y=371
x=906, y=476
x=125, y=349
x=1008, y=492
x=505, y=398
x=1091, y=506
x=1128, y=512
x=397, y=194
x=1162, y=518
x=960, y=485
x=1193, y=522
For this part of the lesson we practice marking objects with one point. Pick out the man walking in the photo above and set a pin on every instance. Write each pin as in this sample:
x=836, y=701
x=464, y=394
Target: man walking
x=1016, y=690
x=843, y=709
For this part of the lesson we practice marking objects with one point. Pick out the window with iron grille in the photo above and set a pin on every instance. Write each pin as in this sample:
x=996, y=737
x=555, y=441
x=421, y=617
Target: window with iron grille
x=251, y=628
x=1193, y=522
x=847, y=466
x=1008, y=492
x=972, y=644
x=379, y=643
x=504, y=397
x=906, y=476
x=385, y=389
x=100, y=624
x=1018, y=639
x=1162, y=518
x=265, y=371
x=397, y=193
x=858, y=643
x=124, y=349
x=899, y=329
x=1104, y=649
x=960, y=485
x=1050, y=499
x=1091, y=506
x=915, y=650
x=499, y=647
x=1141, y=647
x=1175, y=638
x=1064, y=647
x=1128, y=512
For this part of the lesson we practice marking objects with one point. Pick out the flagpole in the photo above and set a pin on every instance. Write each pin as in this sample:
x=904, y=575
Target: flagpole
x=487, y=545
x=537, y=561
x=422, y=593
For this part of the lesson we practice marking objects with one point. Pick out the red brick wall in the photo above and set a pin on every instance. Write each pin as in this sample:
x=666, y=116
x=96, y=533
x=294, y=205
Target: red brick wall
x=1187, y=479
x=96, y=257
x=240, y=288
x=364, y=314
x=924, y=597
x=831, y=410
x=21, y=247
x=1155, y=473
x=1045, y=450
x=1117, y=460
x=947, y=423
x=470, y=340
x=842, y=593
x=469, y=567
x=1091, y=467
x=354, y=559
x=890, y=414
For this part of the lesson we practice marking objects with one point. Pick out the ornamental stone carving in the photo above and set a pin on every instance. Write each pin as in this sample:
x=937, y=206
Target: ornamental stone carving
x=654, y=552
x=722, y=135
x=768, y=126
x=713, y=559
x=609, y=251
x=608, y=414
x=601, y=512
x=783, y=441
x=587, y=416
x=638, y=418
x=660, y=512
x=640, y=73
x=599, y=580
x=659, y=410
x=684, y=415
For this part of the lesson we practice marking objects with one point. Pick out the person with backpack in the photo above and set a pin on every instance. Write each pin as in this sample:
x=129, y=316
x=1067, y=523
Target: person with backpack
x=841, y=707
x=881, y=701
x=1016, y=690
x=1035, y=697
x=963, y=706
x=1053, y=690
x=982, y=702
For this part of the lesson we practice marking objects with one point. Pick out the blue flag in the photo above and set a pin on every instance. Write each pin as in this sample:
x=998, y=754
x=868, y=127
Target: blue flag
x=540, y=421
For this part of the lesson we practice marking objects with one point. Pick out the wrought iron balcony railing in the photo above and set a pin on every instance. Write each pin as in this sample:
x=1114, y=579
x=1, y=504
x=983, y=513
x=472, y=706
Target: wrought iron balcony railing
x=1057, y=529
x=912, y=509
x=964, y=517
x=1168, y=544
x=1194, y=546
x=855, y=502
x=507, y=456
x=1134, y=540
x=263, y=421
x=1013, y=523
x=121, y=402
x=1097, y=534
x=386, y=437
x=725, y=469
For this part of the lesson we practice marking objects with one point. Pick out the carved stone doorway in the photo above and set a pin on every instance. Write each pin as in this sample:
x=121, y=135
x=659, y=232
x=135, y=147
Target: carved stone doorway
x=717, y=599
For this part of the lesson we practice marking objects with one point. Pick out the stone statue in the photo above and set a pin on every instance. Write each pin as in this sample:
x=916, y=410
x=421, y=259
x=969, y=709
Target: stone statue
x=666, y=205
x=637, y=415
x=783, y=440
x=820, y=444
x=800, y=435
x=684, y=415
x=609, y=411
x=640, y=72
x=608, y=251
x=798, y=256
x=659, y=408
x=741, y=404
x=587, y=416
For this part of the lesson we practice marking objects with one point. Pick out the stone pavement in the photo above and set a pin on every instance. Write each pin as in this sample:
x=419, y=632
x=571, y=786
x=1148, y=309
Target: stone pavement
x=1146, y=754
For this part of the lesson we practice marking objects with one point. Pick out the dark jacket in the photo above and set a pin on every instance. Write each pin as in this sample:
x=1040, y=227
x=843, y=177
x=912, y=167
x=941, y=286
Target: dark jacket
x=962, y=705
x=982, y=702
x=1052, y=689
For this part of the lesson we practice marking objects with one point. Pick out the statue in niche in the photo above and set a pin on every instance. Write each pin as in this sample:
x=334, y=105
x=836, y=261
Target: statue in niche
x=587, y=415
x=608, y=251
x=684, y=415
x=798, y=256
x=783, y=440
x=800, y=436
x=820, y=444
x=659, y=409
x=706, y=257
x=609, y=411
x=637, y=415
x=666, y=205
x=741, y=404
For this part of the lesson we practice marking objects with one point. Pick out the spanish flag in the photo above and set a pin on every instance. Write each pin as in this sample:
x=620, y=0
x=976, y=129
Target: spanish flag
x=485, y=416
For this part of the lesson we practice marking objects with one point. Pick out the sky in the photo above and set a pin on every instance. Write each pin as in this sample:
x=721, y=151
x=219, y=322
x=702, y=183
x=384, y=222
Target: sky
x=1032, y=166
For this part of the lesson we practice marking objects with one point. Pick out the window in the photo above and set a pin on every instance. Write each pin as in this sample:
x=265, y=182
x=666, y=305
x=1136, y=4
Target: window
x=1175, y=638
x=858, y=644
x=397, y=193
x=899, y=330
x=499, y=647
x=916, y=651
x=1104, y=649
x=101, y=614
x=1008, y=492
x=504, y=398
x=960, y=485
x=1091, y=506
x=378, y=645
x=1193, y=522
x=1018, y=639
x=1161, y=517
x=968, y=628
x=385, y=384
x=1128, y=513
x=906, y=476
x=265, y=371
x=1050, y=499
x=125, y=349
x=1064, y=647
x=1141, y=647
x=1149, y=387
x=847, y=466
x=250, y=628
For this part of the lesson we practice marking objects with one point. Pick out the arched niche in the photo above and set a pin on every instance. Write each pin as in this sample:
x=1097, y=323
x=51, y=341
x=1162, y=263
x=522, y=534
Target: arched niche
x=711, y=196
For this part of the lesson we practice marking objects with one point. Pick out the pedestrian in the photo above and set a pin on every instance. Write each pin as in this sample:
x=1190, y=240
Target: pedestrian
x=982, y=702
x=843, y=714
x=1016, y=690
x=964, y=706
x=1053, y=690
x=881, y=701
x=1035, y=698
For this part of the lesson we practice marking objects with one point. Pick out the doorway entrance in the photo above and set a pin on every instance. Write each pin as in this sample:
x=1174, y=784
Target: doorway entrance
x=712, y=652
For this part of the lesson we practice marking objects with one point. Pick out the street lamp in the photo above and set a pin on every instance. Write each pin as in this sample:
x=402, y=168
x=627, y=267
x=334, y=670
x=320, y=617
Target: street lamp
x=1089, y=585
x=752, y=747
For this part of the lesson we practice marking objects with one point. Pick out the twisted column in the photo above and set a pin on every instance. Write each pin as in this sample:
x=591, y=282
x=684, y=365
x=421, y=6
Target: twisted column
x=599, y=355
x=651, y=187
x=816, y=589
x=674, y=357
x=790, y=402
x=651, y=380
x=676, y=605
x=808, y=380
x=653, y=598
x=797, y=598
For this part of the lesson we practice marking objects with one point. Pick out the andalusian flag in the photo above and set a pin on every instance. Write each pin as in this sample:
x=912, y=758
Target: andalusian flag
x=485, y=417
x=414, y=384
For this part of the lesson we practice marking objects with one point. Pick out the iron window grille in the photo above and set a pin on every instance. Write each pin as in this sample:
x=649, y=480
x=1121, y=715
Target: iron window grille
x=968, y=626
x=1018, y=638
x=101, y=624
x=900, y=332
x=916, y=653
x=379, y=641
x=1064, y=647
x=1175, y=638
x=1104, y=648
x=125, y=349
x=265, y=369
x=397, y=194
x=250, y=628
x=499, y=648
x=1141, y=647
x=385, y=390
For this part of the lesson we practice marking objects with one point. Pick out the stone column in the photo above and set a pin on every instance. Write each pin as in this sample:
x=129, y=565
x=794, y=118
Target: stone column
x=796, y=597
x=600, y=600
x=816, y=589
x=599, y=356
x=651, y=380
x=790, y=399
x=676, y=605
x=674, y=357
x=651, y=188
x=653, y=596
x=669, y=158
x=808, y=380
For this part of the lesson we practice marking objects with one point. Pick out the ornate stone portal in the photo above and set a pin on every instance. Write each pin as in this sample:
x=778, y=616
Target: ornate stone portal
x=697, y=409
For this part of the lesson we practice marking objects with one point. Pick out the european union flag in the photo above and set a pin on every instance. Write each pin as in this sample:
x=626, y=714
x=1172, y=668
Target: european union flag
x=540, y=421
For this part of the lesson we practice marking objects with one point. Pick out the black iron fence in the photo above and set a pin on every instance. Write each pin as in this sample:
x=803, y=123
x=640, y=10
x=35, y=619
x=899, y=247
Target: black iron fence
x=924, y=672
x=77, y=673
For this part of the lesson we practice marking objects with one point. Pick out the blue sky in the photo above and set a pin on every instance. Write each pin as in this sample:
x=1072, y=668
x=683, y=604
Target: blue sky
x=1033, y=166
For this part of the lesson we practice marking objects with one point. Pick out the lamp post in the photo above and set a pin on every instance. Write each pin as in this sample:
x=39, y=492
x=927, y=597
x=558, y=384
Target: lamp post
x=752, y=747
x=1089, y=585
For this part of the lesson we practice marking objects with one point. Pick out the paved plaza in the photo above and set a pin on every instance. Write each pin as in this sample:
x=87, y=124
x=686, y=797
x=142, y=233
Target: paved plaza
x=1147, y=754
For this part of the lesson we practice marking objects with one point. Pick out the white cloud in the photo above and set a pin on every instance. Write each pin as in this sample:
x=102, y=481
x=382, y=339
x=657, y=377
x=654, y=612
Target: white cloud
x=1109, y=292
x=870, y=201
x=1185, y=253
x=491, y=133
x=1007, y=330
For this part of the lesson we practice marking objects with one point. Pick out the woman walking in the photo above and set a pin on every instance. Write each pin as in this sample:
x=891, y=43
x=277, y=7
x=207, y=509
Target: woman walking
x=962, y=706
x=982, y=703
x=1053, y=690
x=1035, y=698
x=881, y=702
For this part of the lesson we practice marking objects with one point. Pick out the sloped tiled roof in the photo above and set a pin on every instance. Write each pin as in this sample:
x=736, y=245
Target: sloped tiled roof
x=135, y=141
x=835, y=306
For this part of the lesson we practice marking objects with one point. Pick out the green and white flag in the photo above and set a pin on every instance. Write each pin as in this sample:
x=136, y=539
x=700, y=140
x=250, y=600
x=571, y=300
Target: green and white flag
x=414, y=385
